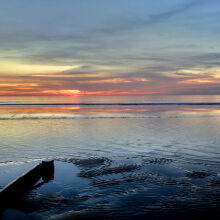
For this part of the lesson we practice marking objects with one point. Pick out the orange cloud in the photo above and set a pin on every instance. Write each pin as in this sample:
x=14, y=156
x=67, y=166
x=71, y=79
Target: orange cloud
x=82, y=93
x=115, y=80
x=17, y=93
x=18, y=84
x=72, y=92
x=69, y=76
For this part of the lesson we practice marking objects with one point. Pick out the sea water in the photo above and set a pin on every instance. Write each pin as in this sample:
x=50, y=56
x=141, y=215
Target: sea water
x=115, y=157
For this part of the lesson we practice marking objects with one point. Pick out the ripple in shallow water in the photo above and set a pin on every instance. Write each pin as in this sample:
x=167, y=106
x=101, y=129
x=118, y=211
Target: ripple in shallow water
x=100, y=188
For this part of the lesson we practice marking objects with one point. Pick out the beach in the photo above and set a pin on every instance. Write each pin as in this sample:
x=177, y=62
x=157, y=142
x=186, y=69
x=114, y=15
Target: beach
x=109, y=110
x=115, y=161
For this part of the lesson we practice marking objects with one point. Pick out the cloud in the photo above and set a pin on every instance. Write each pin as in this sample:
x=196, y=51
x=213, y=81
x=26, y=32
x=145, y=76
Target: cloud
x=135, y=23
x=209, y=56
x=117, y=51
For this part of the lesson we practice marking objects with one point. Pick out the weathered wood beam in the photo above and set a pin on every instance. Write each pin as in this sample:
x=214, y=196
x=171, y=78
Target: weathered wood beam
x=15, y=189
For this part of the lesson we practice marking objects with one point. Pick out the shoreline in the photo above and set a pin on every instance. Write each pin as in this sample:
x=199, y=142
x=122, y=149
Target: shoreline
x=86, y=178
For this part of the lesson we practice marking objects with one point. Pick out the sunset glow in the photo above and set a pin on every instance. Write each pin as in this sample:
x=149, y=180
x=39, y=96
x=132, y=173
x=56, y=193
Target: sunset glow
x=72, y=92
x=159, y=51
x=114, y=108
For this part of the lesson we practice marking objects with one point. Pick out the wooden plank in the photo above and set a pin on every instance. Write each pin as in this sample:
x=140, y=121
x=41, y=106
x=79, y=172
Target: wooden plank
x=15, y=189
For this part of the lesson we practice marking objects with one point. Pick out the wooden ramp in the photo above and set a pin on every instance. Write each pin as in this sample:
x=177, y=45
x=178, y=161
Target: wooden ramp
x=11, y=193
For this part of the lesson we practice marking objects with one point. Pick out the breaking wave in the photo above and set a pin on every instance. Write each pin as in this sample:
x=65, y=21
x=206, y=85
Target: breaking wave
x=42, y=117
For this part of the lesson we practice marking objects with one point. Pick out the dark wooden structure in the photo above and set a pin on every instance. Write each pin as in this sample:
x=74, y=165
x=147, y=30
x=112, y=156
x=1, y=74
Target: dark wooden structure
x=11, y=193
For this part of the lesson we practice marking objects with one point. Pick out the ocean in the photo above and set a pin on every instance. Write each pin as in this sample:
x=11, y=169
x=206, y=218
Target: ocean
x=122, y=157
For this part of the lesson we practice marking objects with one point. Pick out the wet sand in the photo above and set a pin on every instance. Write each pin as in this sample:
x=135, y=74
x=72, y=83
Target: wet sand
x=124, y=188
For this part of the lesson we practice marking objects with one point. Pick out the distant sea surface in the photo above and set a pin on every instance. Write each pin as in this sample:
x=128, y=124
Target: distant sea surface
x=130, y=156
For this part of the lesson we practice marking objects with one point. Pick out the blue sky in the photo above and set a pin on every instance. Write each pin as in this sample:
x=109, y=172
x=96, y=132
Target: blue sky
x=166, y=47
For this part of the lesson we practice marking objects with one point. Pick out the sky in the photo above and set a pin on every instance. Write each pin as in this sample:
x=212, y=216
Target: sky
x=109, y=47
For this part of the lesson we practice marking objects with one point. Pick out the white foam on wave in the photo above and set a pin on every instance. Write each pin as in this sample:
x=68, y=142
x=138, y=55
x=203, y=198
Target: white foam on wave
x=6, y=163
x=39, y=117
